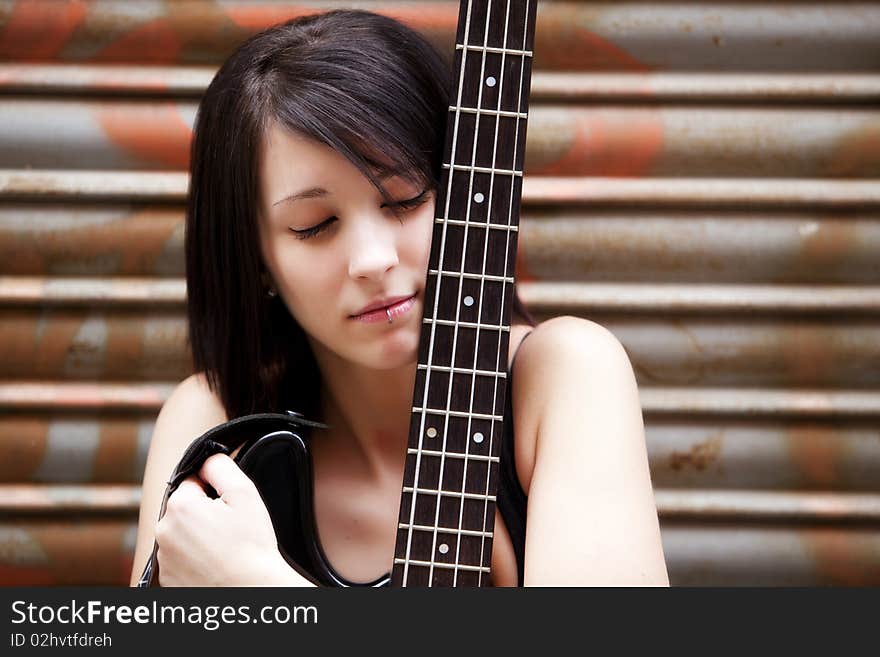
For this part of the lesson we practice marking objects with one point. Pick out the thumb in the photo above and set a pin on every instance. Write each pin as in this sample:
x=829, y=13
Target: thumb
x=231, y=484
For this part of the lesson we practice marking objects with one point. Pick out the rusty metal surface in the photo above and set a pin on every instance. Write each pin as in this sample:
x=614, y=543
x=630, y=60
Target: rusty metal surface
x=747, y=453
x=53, y=449
x=89, y=239
x=586, y=298
x=606, y=140
x=87, y=345
x=749, y=555
x=625, y=36
x=728, y=246
x=51, y=397
x=546, y=86
x=66, y=551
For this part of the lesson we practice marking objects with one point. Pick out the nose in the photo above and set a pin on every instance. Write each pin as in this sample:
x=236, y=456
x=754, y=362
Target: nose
x=373, y=250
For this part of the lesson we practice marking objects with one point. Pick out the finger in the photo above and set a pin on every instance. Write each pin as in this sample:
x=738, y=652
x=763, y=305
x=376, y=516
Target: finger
x=190, y=488
x=226, y=477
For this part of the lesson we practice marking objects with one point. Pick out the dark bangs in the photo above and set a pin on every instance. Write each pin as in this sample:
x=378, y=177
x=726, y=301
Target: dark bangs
x=362, y=84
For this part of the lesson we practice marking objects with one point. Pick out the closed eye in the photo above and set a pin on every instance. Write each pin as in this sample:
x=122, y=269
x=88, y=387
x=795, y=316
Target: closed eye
x=306, y=233
x=405, y=204
x=409, y=203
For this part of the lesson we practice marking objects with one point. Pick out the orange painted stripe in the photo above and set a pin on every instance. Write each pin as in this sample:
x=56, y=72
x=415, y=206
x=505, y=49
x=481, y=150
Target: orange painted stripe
x=38, y=30
x=259, y=17
x=153, y=132
x=604, y=146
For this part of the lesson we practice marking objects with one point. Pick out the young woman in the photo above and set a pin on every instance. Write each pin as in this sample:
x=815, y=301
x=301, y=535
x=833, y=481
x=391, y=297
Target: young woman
x=316, y=156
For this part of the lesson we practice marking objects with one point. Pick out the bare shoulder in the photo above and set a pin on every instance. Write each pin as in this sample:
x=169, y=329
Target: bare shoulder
x=584, y=461
x=568, y=336
x=190, y=410
x=561, y=357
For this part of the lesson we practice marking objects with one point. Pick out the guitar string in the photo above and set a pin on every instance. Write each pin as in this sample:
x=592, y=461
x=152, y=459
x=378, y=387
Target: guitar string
x=424, y=405
x=467, y=219
x=510, y=211
x=492, y=423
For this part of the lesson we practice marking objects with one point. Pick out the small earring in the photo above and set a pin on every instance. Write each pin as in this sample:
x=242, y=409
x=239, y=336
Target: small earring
x=271, y=293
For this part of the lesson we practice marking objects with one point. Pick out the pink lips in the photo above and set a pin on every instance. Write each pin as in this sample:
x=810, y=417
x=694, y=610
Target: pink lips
x=395, y=309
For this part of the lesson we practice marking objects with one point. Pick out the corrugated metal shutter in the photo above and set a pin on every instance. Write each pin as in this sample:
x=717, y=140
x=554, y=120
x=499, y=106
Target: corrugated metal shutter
x=702, y=181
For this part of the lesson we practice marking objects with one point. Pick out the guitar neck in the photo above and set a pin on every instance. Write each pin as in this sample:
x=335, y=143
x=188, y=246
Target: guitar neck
x=447, y=509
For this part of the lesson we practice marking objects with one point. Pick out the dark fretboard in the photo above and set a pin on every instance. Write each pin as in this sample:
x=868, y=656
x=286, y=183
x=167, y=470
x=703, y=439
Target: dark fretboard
x=447, y=510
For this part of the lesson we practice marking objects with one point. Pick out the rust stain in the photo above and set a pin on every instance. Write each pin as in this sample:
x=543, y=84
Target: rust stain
x=523, y=273
x=842, y=559
x=700, y=456
x=857, y=154
x=117, y=451
x=564, y=43
x=26, y=575
x=155, y=132
x=424, y=17
x=38, y=30
x=23, y=445
x=811, y=448
x=605, y=145
x=807, y=354
x=36, y=346
x=154, y=42
x=125, y=346
x=131, y=244
x=826, y=245
x=83, y=551
x=259, y=17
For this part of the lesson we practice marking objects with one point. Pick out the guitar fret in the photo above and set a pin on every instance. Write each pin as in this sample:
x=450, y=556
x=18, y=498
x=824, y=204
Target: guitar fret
x=478, y=224
x=448, y=530
x=462, y=370
x=436, y=564
x=449, y=322
x=488, y=112
x=453, y=455
x=448, y=493
x=465, y=274
x=484, y=49
x=464, y=167
x=478, y=416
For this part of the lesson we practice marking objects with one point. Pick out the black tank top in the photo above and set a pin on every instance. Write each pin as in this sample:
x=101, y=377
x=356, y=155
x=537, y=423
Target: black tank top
x=511, y=498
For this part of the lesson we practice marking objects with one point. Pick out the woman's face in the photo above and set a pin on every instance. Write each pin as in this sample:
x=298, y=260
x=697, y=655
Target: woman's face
x=332, y=246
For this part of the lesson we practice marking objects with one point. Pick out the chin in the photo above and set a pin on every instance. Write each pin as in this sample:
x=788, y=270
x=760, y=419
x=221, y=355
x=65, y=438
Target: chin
x=397, y=349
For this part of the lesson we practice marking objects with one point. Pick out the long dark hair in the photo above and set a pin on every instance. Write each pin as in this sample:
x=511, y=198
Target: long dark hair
x=363, y=84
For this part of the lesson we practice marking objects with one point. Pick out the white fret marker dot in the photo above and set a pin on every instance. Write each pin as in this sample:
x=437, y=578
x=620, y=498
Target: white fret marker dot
x=443, y=548
x=478, y=437
x=469, y=301
x=490, y=81
x=432, y=432
x=479, y=198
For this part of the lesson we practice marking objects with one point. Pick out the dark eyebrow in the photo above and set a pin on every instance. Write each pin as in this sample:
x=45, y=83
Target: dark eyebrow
x=317, y=192
x=314, y=192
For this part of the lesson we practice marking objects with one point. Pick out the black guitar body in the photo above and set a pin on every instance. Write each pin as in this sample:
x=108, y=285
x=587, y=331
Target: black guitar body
x=275, y=456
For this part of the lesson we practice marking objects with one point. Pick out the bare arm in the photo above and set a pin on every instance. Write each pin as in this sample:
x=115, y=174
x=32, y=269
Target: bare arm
x=191, y=410
x=592, y=519
x=203, y=541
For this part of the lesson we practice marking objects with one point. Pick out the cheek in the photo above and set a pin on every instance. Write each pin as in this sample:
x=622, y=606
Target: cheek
x=419, y=242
